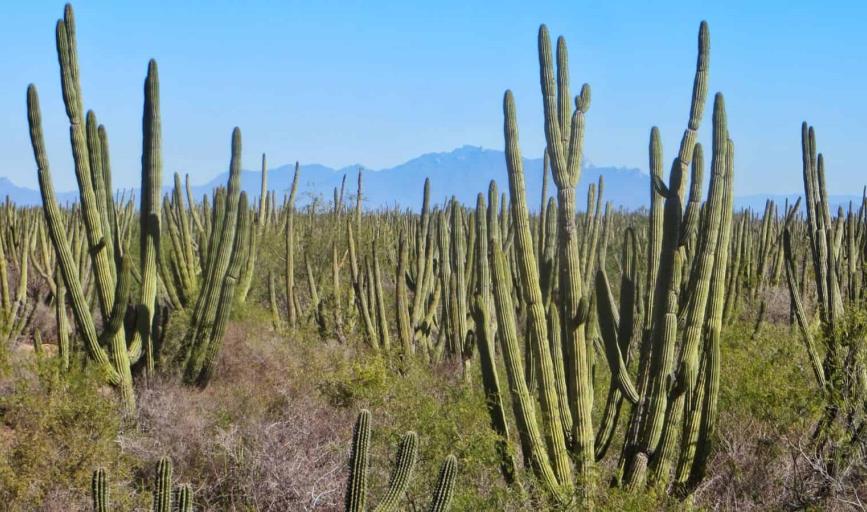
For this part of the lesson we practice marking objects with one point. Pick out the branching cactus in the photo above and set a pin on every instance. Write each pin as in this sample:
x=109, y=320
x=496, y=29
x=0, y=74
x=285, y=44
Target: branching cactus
x=840, y=376
x=229, y=236
x=105, y=246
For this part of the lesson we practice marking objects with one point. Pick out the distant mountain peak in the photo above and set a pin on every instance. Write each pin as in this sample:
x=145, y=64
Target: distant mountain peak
x=461, y=172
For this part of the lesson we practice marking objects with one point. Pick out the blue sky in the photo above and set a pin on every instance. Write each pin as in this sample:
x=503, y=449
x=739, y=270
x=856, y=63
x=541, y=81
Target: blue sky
x=381, y=82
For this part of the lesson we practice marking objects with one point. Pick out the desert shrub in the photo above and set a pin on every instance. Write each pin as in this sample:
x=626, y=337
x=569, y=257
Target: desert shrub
x=54, y=431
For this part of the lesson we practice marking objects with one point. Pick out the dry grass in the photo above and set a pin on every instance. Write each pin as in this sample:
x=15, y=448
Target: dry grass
x=258, y=437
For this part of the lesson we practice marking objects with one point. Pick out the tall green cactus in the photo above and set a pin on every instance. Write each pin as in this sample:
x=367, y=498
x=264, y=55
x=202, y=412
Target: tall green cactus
x=535, y=451
x=149, y=214
x=485, y=337
x=105, y=245
x=115, y=364
x=538, y=326
x=564, y=134
x=163, y=495
x=200, y=334
x=648, y=418
x=407, y=453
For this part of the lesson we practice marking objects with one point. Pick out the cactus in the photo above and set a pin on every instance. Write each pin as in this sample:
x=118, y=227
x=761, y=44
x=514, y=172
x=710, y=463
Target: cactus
x=115, y=366
x=196, y=349
x=253, y=245
x=99, y=491
x=291, y=301
x=564, y=134
x=227, y=293
x=404, y=326
x=840, y=392
x=617, y=329
x=184, y=498
x=522, y=402
x=445, y=486
x=538, y=326
x=163, y=486
x=648, y=419
x=356, y=488
x=149, y=215
x=407, y=453
x=163, y=496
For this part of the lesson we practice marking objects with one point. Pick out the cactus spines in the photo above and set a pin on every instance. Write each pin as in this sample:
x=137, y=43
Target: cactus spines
x=163, y=486
x=99, y=491
x=356, y=488
x=407, y=452
x=445, y=486
x=184, y=498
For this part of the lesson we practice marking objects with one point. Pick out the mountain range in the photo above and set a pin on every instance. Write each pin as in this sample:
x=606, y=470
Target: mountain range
x=462, y=173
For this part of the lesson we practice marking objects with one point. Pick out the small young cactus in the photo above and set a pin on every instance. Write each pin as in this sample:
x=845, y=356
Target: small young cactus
x=445, y=488
x=407, y=453
x=163, y=486
x=356, y=488
x=99, y=491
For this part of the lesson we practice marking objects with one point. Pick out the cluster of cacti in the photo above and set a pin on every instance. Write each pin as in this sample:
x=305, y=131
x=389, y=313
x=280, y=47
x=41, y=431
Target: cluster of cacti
x=835, y=248
x=166, y=497
x=407, y=453
x=674, y=400
x=535, y=294
x=18, y=237
x=112, y=349
x=229, y=228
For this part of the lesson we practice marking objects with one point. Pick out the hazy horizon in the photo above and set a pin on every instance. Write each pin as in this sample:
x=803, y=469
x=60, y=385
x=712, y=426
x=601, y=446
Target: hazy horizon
x=380, y=84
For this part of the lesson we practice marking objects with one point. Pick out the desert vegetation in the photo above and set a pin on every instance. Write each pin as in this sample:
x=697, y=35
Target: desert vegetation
x=170, y=352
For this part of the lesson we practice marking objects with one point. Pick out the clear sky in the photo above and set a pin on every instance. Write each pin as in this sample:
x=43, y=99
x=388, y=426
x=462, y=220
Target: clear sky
x=375, y=82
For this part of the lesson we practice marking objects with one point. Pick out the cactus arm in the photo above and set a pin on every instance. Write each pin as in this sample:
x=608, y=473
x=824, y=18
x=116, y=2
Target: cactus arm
x=54, y=223
x=529, y=274
x=800, y=314
x=523, y=403
x=407, y=453
x=163, y=486
x=356, y=488
x=99, y=491
x=445, y=488
x=243, y=231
